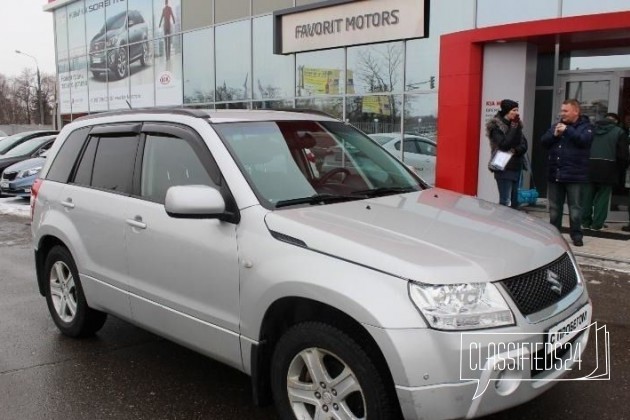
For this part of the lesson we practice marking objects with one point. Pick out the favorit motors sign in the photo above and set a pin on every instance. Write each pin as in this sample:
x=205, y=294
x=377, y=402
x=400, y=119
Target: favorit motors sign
x=340, y=23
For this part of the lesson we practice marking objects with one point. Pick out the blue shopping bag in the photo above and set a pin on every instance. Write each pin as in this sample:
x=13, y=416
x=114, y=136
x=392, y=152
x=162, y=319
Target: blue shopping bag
x=529, y=196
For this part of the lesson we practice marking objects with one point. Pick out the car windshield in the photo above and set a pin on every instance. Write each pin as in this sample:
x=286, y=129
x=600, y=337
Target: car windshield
x=7, y=143
x=116, y=22
x=313, y=162
x=380, y=139
x=26, y=148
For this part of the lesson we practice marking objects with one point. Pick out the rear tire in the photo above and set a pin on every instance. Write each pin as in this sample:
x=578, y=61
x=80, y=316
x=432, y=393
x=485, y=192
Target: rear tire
x=318, y=371
x=65, y=298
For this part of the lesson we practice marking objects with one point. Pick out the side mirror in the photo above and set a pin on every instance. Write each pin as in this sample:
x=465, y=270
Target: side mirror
x=194, y=201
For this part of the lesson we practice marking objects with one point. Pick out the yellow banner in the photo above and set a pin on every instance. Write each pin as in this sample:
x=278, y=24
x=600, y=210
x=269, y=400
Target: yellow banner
x=376, y=105
x=325, y=81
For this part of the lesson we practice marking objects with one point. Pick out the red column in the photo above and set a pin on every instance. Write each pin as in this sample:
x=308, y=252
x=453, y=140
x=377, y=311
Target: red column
x=459, y=113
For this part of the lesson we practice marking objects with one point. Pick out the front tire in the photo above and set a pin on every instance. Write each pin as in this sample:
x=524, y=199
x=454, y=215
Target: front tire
x=318, y=371
x=122, y=63
x=144, y=58
x=65, y=298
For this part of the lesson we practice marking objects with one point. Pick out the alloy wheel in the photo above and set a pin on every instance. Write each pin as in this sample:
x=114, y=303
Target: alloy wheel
x=63, y=291
x=321, y=386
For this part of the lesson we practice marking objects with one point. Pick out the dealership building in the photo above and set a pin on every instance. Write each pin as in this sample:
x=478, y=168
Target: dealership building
x=432, y=68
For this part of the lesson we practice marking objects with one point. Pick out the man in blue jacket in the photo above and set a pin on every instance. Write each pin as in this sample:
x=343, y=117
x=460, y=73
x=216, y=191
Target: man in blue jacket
x=569, y=143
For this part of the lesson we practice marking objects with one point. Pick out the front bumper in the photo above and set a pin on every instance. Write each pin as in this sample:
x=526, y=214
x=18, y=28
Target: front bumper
x=103, y=61
x=436, y=372
x=17, y=188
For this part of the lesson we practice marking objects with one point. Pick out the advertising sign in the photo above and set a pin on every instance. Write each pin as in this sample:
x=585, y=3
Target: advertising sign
x=316, y=81
x=349, y=23
x=63, y=65
x=141, y=70
x=168, y=81
x=376, y=105
x=77, y=54
x=95, y=39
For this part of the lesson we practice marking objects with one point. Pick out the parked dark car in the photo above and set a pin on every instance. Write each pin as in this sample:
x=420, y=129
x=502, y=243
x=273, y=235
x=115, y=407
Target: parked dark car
x=29, y=149
x=121, y=41
x=17, y=179
x=10, y=142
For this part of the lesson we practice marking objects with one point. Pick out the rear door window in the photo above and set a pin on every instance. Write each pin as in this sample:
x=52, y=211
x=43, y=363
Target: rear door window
x=67, y=156
x=114, y=162
x=111, y=160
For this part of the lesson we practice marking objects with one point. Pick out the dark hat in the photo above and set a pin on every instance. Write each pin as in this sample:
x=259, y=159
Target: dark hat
x=612, y=116
x=506, y=106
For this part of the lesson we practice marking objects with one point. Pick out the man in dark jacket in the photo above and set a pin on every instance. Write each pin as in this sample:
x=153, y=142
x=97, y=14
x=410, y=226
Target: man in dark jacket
x=568, y=143
x=609, y=157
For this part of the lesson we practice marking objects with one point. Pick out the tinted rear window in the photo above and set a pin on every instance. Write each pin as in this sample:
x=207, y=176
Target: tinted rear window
x=114, y=162
x=67, y=156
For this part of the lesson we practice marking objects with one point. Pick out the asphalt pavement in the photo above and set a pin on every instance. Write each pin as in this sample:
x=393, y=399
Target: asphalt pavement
x=125, y=372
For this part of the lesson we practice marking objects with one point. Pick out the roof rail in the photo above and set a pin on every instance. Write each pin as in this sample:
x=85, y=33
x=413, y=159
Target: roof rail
x=305, y=111
x=198, y=113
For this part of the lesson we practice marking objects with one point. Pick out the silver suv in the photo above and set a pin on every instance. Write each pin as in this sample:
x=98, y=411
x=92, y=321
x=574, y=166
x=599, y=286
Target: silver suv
x=345, y=293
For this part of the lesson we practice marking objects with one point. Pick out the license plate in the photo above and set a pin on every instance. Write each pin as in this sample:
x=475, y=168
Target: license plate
x=97, y=60
x=4, y=185
x=28, y=190
x=566, y=330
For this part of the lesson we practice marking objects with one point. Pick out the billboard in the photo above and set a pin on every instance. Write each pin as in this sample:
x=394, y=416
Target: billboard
x=376, y=105
x=316, y=81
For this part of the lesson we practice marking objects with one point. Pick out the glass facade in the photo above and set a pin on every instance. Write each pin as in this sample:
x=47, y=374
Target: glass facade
x=145, y=53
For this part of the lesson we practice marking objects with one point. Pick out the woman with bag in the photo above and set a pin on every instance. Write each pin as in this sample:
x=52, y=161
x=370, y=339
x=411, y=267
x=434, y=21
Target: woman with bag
x=505, y=132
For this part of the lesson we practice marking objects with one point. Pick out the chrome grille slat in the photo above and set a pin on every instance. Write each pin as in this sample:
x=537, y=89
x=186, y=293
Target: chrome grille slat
x=9, y=176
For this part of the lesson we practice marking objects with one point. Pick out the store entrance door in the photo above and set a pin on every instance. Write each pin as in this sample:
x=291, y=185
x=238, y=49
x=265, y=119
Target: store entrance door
x=601, y=92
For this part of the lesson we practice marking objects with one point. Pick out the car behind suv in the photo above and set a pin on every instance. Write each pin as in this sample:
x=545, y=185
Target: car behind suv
x=344, y=293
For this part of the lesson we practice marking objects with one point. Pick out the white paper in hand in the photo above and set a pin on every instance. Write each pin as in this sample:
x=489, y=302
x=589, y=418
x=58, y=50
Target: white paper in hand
x=500, y=160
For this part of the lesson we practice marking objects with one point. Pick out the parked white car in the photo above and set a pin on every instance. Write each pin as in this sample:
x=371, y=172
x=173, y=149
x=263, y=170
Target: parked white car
x=420, y=152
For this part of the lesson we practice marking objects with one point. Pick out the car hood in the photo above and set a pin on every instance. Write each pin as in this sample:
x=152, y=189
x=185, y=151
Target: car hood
x=26, y=164
x=101, y=37
x=8, y=161
x=432, y=236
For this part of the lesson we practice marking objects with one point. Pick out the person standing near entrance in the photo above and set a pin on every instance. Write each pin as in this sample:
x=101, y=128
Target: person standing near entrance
x=609, y=158
x=568, y=143
x=505, y=132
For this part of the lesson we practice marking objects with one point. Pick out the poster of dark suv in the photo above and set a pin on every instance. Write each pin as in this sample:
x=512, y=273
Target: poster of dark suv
x=121, y=41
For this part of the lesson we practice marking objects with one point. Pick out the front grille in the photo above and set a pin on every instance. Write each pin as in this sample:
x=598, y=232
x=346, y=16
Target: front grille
x=9, y=176
x=534, y=291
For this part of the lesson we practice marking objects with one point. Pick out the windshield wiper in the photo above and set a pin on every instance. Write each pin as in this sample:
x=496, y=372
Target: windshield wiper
x=377, y=192
x=316, y=199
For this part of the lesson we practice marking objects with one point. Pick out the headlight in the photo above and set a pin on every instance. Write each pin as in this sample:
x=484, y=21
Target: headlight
x=29, y=172
x=461, y=306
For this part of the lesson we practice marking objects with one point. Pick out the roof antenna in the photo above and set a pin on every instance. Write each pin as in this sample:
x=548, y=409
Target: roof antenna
x=128, y=104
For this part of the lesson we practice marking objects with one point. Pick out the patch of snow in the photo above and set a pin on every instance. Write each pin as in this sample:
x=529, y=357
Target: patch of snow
x=15, y=206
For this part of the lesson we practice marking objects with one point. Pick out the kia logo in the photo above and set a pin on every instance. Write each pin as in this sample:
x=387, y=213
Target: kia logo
x=552, y=279
x=165, y=78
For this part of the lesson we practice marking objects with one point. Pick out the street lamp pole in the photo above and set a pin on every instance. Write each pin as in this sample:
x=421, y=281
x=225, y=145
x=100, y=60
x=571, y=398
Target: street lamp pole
x=40, y=103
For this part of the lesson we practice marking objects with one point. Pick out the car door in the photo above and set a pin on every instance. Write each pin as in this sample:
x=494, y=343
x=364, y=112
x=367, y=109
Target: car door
x=428, y=152
x=183, y=272
x=94, y=203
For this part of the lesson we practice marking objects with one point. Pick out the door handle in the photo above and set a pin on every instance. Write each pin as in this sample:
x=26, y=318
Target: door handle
x=137, y=222
x=68, y=203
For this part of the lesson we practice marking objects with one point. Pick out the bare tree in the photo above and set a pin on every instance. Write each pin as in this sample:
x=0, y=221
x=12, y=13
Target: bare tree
x=18, y=98
x=379, y=69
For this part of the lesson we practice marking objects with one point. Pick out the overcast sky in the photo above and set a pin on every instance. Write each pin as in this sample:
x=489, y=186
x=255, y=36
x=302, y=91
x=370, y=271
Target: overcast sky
x=26, y=27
